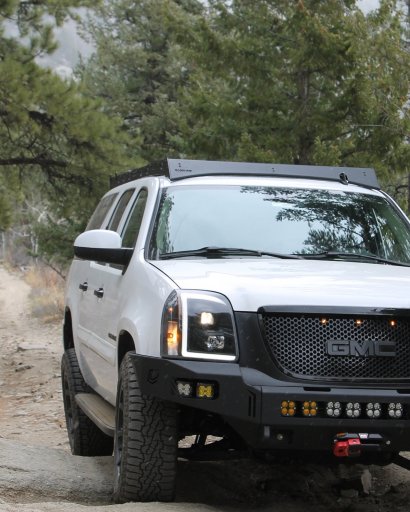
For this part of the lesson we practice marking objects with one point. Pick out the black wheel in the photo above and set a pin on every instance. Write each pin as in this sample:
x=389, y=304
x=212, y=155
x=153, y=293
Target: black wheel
x=145, y=443
x=85, y=437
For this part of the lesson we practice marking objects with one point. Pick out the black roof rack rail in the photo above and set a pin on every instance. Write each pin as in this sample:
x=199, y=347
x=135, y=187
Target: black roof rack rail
x=177, y=169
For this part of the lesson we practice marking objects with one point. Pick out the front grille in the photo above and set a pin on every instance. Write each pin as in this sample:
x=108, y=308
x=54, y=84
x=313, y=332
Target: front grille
x=299, y=346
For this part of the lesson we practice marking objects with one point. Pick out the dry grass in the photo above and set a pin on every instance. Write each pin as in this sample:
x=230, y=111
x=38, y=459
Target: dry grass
x=47, y=293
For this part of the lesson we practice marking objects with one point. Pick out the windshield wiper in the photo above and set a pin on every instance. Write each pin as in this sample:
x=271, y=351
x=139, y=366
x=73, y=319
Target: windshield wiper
x=220, y=252
x=330, y=255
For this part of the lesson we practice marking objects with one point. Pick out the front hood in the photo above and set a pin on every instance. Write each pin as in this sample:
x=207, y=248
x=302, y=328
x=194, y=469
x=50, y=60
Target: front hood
x=252, y=283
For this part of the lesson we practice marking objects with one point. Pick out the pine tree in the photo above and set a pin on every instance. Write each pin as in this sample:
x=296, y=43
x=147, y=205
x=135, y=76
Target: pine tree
x=51, y=135
x=137, y=68
x=301, y=81
x=314, y=82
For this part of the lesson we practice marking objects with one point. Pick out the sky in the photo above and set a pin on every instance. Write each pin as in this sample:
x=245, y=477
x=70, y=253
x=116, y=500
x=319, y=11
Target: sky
x=368, y=5
x=64, y=59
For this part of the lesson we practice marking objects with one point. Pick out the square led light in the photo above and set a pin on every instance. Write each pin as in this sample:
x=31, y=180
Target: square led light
x=205, y=390
x=185, y=388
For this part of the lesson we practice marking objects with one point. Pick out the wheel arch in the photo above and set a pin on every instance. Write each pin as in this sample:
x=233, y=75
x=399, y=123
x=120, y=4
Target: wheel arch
x=125, y=344
x=68, y=337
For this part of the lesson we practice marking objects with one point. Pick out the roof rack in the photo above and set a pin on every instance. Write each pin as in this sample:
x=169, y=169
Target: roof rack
x=176, y=169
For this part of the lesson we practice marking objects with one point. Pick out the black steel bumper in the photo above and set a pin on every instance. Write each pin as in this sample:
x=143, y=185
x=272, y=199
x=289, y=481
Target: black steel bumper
x=250, y=402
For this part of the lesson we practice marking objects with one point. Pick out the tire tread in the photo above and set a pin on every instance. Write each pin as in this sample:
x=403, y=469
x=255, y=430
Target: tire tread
x=87, y=439
x=149, y=456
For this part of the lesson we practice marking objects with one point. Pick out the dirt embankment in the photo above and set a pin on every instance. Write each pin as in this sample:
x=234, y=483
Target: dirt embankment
x=38, y=473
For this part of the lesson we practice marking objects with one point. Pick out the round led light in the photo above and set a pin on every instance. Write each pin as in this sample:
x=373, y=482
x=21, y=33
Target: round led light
x=373, y=410
x=353, y=410
x=309, y=408
x=333, y=409
x=395, y=410
x=288, y=408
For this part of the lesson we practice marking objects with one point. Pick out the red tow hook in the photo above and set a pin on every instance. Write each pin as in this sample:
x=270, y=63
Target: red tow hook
x=347, y=445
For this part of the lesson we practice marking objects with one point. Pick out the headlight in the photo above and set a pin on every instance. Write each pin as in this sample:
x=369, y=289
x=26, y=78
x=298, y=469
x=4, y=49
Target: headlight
x=198, y=325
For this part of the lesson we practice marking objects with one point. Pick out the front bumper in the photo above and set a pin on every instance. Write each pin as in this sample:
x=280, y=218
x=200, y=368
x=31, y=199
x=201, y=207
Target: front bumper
x=250, y=402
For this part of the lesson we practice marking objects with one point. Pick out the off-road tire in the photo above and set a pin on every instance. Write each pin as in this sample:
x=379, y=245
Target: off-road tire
x=145, y=443
x=85, y=437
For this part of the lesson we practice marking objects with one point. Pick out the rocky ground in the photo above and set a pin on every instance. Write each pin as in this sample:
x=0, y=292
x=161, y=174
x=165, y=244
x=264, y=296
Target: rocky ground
x=38, y=473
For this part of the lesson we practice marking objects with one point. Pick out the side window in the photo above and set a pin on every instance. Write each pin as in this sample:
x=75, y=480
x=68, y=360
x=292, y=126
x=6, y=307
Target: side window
x=119, y=210
x=134, y=220
x=100, y=212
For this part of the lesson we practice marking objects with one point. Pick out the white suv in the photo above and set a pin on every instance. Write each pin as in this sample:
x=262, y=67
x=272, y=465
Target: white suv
x=267, y=306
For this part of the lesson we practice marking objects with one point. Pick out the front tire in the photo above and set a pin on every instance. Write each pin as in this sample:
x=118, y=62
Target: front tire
x=145, y=443
x=85, y=437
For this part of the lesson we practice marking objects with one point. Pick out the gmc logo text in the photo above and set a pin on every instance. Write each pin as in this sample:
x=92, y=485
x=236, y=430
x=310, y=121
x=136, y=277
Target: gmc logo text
x=367, y=348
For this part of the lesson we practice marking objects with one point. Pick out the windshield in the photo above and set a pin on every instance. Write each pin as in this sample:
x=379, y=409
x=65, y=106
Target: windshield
x=278, y=220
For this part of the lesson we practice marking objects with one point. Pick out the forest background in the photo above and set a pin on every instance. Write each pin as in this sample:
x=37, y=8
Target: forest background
x=285, y=81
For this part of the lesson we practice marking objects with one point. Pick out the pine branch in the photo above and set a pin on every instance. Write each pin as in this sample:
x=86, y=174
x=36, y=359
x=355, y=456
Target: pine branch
x=42, y=162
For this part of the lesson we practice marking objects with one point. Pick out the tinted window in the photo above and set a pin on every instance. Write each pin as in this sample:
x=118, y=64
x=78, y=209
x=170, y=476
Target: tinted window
x=101, y=211
x=289, y=221
x=119, y=210
x=134, y=220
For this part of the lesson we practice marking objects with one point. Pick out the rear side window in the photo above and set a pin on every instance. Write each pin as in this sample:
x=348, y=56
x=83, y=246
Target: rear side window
x=101, y=211
x=119, y=210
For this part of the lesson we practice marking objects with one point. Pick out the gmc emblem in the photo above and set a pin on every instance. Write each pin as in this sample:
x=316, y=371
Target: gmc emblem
x=368, y=348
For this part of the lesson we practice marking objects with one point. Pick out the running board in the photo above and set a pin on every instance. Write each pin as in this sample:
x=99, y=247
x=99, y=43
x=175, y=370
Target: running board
x=401, y=461
x=98, y=410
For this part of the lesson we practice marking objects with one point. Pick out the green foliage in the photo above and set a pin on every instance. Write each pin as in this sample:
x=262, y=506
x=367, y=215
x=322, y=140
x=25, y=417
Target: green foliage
x=307, y=81
x=53, y=138
x=303, y=82
x=136, y=68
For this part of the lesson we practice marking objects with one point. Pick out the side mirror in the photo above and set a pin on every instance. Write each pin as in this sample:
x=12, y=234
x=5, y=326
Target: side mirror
x=102, y=245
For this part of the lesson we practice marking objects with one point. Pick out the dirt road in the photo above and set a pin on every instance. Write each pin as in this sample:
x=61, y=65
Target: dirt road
x=38, y=473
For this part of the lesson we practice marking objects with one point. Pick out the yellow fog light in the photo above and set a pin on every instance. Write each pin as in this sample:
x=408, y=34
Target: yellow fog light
x=309, y=408
x=288, y=408
x=205, y=390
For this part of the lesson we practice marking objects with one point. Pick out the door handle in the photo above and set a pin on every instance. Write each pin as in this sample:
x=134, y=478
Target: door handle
x=84, y=286
x=99, y=293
